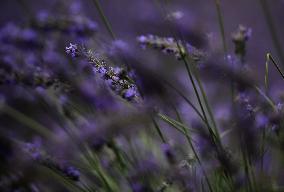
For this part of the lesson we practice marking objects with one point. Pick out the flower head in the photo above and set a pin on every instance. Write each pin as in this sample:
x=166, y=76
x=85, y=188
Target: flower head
x=115, y=77
x=169, y=45
x=72, y=50
x=240, y=37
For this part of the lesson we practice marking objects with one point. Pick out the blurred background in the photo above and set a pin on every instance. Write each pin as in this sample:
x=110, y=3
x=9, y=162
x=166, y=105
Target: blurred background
x=131, y=18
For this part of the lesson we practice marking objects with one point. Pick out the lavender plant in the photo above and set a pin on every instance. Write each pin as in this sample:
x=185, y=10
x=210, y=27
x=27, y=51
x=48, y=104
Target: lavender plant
x=85, y=110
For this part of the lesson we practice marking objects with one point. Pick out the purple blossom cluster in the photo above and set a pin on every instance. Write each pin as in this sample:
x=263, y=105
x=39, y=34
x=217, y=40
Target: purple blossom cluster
x=171, y=46
x=76, y=25
x=116, y=78
x=240, y=37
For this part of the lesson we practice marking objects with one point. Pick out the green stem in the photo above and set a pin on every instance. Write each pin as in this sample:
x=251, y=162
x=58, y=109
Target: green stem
x=222, y=31
x=195, y=89
x=185, y=132
x=93, y=161
x=269, y=57
x=276, y=41
x=186, y=99
x=221, y=25
x=104, y=18
x=266, y=75
x=177, y=125
x=196, y=74
x=157, y=127
x=269, y=101
x=118, y=155
x=27, y=121
x=198, y=97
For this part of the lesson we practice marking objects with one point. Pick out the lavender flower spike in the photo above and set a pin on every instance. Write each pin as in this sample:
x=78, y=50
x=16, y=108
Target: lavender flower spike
x=170, y=45
x=116, y=78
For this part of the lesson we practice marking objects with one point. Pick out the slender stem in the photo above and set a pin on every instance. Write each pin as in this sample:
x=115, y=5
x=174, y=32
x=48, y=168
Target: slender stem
x=185, y=132
x=118, y=154
x=27, y=121
x=158, y=129
x=186, y=99
x=109, y=29
x=222, y=30
x=263, y=135
x=221, y=25
x=195, y=89
x=269, y=56
x=246, y=169
x=269, y=101
x=93, y=161
x=192, y=81
x=205, y=99
x=266, y=75
x=104, y=18
x=276, y=41
x=193, y=149
x=199, y=98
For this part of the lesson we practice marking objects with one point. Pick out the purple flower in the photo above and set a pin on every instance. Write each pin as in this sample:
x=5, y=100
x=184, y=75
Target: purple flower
x=240, y=37
x=116, y=78
x=102, y=70
x=142, y=39
x=137, y=187
x=117, y=47
x=72, y=50
x=33, y=149
x=71, y=24
x=261, y=120
x=29, y=35
x=72, y=173
x=130, y=93
x=171, y=46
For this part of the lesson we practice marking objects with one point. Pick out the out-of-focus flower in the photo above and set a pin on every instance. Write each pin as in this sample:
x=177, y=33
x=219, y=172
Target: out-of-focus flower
x=175, y=15
x=24, y=38
x=240, y=38
x=35, y=151
x=74, y=24
x=130, y=93
x=118, y=47
x=261, y=120
x=171, y=46
x=72, y=173
x=243, y=100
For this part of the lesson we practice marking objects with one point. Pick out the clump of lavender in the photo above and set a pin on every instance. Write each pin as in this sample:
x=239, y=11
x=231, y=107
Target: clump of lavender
x=25, y=38
x=40, y=157
x=73, y=24
x=34, y=80
x=116, y=78
x=116, y=148
x=170, y=45
x=240, y=38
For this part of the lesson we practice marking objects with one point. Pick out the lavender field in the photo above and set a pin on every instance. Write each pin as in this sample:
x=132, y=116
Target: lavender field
x=141, y=96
